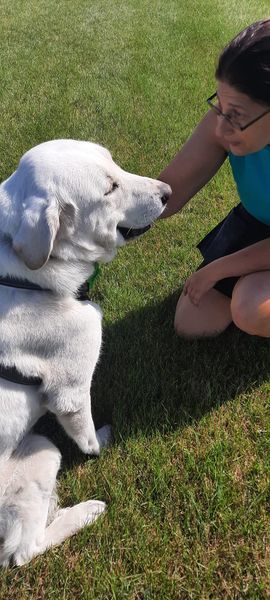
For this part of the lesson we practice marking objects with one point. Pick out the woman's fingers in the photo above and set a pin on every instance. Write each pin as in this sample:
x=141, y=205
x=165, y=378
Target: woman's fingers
x=192, y=292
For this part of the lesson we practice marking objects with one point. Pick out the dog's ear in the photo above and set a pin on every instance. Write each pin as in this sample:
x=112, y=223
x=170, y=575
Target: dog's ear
x=67, y=217
x=34, y=239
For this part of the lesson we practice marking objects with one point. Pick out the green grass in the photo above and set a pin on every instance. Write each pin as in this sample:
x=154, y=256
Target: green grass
x=187, y=479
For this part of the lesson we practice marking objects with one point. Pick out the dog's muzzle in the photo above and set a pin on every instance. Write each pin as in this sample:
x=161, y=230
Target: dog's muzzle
x=129, y=233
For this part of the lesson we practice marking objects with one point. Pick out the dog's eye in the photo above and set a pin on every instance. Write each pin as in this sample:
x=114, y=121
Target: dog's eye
x=113, y=187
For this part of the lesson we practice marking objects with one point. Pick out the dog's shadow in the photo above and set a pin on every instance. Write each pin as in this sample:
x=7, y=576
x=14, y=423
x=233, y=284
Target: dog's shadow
x=150, y=380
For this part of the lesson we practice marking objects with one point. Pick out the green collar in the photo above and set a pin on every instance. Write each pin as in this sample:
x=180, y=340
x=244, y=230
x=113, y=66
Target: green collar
x=91, y=280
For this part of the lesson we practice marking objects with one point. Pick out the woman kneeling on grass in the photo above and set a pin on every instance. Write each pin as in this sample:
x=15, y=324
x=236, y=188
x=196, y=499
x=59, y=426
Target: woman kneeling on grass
x=233, y=282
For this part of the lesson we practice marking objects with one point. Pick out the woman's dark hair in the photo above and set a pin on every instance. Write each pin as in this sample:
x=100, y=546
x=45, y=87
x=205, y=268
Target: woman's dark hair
x=245, y=62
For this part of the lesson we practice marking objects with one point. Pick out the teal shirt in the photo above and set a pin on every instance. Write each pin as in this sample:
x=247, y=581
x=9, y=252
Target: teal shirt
x=252, y=178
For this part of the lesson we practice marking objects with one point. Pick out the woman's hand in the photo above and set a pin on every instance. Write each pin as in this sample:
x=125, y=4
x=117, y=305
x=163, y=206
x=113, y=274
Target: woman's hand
x=248, y=260
x=199, y=283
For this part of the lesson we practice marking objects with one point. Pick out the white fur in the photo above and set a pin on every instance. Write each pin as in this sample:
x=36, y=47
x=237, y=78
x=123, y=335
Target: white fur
x=59, y=214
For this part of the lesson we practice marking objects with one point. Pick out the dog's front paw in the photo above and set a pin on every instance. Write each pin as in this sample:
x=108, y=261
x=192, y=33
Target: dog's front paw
x=91, y=447
x=21, y=557
x=91, y=510
x=104, y=436
x=102, y=439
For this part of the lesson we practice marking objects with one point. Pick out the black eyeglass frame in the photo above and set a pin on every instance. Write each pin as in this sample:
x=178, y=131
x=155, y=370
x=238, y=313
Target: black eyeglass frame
x=225, y=116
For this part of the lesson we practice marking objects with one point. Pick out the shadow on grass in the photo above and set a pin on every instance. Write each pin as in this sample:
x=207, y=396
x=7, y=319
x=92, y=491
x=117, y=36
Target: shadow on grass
x=150, y=380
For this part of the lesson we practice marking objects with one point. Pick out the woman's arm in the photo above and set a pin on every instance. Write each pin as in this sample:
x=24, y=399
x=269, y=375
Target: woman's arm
x=249, y=260
x=196, y=163
x=252, y=259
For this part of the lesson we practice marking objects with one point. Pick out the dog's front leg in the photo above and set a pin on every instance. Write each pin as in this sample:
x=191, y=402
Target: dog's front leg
x=69, y=520
x=67, y=381
x=80, y=427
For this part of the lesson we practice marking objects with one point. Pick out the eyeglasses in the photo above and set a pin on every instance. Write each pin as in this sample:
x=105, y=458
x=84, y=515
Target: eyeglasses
x=232, y=120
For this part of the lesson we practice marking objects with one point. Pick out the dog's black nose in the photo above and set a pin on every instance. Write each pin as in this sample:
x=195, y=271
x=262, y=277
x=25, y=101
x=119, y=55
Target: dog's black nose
x=165, y=198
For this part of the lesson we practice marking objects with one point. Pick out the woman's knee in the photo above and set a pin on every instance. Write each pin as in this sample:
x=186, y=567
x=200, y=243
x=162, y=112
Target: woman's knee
x=246, y=318
x=208, y=320
x=183, y=322
x=181, y=327
x=247, y=314
x=239, y=309
x=192, y=331
x=240, y=316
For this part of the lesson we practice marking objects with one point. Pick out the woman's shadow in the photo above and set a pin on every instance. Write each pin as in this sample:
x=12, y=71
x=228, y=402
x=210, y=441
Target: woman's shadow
x=149, y=380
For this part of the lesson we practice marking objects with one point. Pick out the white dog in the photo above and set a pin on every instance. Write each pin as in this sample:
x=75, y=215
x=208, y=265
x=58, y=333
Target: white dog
x=65, y=208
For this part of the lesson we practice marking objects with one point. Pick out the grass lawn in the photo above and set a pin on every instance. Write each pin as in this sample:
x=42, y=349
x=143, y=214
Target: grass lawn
x=187, y=479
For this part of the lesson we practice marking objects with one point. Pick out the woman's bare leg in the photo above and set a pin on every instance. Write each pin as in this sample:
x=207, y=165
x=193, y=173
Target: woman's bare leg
x=211, y=317
x=251, y=304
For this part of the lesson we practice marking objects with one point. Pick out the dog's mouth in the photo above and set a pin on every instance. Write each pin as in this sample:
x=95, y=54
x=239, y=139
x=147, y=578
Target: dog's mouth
x=130, y=233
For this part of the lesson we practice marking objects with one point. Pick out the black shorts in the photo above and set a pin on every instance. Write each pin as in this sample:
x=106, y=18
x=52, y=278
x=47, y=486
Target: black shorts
x=238, y=230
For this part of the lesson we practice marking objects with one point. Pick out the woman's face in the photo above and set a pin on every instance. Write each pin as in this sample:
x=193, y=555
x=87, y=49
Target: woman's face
x=242, y=109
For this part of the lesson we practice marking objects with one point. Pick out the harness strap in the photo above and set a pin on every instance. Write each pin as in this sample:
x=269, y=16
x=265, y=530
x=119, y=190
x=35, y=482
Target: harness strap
x=12, y=374
x=23, y=284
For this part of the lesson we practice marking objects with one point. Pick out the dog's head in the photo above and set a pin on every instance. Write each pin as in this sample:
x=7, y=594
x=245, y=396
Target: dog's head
x=75, y=203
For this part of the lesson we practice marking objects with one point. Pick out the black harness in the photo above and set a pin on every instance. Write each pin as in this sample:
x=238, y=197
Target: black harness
x=11, y=373
x=24, y=284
